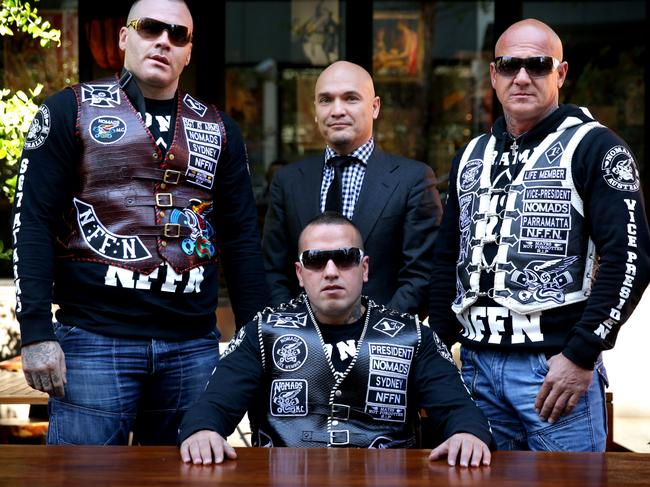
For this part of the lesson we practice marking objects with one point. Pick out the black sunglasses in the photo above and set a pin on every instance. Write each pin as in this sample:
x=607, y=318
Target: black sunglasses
x=179, y=35
x=536, y=66
x=345, y=258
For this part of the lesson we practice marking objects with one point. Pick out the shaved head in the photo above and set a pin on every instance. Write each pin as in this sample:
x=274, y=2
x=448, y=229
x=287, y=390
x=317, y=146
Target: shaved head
x=347, y=70
x=529, y=33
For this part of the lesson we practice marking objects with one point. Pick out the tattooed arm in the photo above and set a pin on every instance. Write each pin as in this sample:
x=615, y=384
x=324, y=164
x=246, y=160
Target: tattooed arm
x=44, y=367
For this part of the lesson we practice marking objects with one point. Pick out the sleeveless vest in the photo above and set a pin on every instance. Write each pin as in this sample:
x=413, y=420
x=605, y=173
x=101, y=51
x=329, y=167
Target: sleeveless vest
x=135, y=208
x=308, y=405
x=544, y=258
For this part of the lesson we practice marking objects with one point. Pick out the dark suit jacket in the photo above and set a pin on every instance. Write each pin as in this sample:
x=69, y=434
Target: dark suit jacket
x=398, y=213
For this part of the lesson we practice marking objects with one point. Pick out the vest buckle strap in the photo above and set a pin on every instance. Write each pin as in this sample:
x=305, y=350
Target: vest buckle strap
x=172, y=230
x=164, y=200
x=339, y=437
x=171, y=176
x=341, y=411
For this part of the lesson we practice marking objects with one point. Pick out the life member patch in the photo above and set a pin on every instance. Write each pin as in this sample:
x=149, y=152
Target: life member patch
x=103, y=96
x=289, y=352
x=388, y=326
x=109, y=245
x=470, y=175
x=107, y=129
x=289, y=397
x=619, y=169
x=388, y=380
x=204, y=146
x=287, y=320
x=39, y=129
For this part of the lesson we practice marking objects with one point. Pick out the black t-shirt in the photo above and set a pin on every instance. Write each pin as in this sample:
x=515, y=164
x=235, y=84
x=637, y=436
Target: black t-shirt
x=341, y=342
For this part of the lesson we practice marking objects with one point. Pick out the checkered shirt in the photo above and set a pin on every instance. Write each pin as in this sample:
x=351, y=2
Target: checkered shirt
x=352, y=177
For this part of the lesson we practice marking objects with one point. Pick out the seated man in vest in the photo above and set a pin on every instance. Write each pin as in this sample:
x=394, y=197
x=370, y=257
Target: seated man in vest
x=333, y=369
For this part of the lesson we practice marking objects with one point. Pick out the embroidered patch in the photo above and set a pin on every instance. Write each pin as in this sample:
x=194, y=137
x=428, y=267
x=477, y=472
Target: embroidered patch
x=289, y=397
x=442, y=348
x=554, y=152
x=470, y=175
x=619, y=169
x=39, y=129
x=204, y=146
x=194, y=216
x=289, y=352
x=388, y=326
x=104, y=96
x=195, y=105
x=105, y=243
x=544, y=280
x=388, y=381
x=287, y=320
x=381, y=443
x=107, y=129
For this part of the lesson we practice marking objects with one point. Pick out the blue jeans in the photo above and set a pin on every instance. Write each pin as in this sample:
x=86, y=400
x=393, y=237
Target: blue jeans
x=505, y=385
x=118, y=385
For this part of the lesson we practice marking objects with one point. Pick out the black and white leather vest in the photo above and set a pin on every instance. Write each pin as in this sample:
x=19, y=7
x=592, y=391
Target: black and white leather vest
x=544, y=258
x=306, y=404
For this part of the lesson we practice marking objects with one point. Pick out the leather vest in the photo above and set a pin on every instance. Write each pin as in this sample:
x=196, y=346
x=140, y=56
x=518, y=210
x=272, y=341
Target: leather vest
x=544, y=258
x=135, y=208
x=308, y=405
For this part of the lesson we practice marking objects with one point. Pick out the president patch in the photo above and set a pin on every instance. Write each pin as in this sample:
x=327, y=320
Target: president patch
x=289, y=352
x=107, y=129
x=619, y=169
x=204, y=146
x=105, y=243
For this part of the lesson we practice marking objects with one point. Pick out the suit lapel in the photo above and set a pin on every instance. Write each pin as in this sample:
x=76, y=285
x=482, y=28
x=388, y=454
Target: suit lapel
x=307, y=189
x=379, y=183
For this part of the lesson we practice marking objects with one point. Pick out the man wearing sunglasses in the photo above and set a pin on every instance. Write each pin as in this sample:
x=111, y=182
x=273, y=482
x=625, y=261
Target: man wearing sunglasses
x=332, y=368
x=543, y=254
x=392, y=200
x=130, y=189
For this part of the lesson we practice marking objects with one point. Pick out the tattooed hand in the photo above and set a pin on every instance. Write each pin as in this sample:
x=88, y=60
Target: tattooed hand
x=44, y=367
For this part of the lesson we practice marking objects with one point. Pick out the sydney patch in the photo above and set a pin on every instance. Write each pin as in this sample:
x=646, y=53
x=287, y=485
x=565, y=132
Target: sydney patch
x=39, y=129
x=104, y=96
x=107, y=129
x=289, y=397
x=470, y=175
x=619, y=169
x=109, y=245
x=204, y=146
x=289, y=352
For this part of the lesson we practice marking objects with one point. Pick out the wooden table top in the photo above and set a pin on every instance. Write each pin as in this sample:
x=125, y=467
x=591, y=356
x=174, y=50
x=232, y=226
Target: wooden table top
x=86, y=466
x=14, y=389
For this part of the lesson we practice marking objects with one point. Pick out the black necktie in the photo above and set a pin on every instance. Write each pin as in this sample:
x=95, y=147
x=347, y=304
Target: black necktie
x=334, y=199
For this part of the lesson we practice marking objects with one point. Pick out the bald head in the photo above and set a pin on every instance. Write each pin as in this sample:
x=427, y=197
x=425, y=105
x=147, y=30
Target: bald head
x=346, y=106
x=529, y=34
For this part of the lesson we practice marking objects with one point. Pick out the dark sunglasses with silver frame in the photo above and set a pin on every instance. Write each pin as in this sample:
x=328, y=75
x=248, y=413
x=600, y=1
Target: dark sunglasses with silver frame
x=148, y=28
x=535, y=66
x=344, y=258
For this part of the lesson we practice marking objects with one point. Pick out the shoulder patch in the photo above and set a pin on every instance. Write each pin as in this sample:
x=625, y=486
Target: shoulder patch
x=39, y=129
x=619, y=169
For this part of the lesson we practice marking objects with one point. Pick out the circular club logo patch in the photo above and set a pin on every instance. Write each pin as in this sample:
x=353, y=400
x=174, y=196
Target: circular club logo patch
x=107, y=129
x=289, y=352
x=471, y=174
x=619, y=169
x=39, y=129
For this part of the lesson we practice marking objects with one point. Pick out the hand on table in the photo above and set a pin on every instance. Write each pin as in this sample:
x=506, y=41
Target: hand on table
x=44, y=367
x=465, y=448
x=205, y=446
x=563, y=386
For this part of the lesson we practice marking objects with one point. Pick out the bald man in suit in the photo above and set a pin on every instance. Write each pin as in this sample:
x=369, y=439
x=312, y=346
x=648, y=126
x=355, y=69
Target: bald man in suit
x=392, y=200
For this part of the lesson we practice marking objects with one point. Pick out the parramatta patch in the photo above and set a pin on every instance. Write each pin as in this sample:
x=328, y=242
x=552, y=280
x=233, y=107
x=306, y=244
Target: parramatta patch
x=388, y=326
x=107, y=129
x=104, y=96
x=204, y=146
x=619, y=169
x=289, y=352
x=289, y=397
x=471, y=174
x=287, y=320
x=195, y=105
x=39, y=129
x=123, y=248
